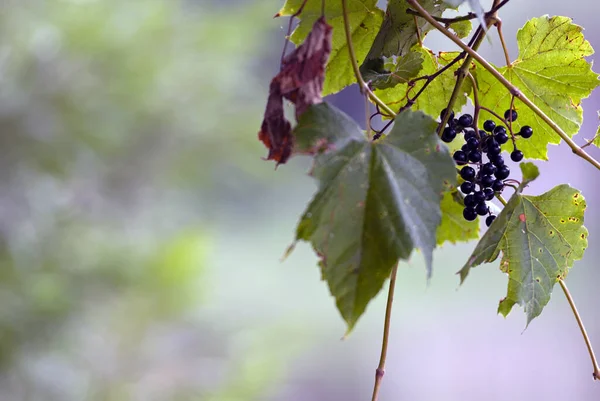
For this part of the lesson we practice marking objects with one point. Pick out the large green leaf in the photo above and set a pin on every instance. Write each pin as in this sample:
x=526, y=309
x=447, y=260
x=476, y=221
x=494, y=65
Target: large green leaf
x=376, y=202
x=551, y=70
x=365, y=20
x=453, y=227
x=540, y=237
x=399, y=31
x=436, y=96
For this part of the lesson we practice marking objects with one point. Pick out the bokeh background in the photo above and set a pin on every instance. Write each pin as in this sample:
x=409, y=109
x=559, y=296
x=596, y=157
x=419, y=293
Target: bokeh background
x=141, y=233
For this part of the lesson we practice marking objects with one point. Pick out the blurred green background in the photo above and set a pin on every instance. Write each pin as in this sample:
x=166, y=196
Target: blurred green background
x=141, y=233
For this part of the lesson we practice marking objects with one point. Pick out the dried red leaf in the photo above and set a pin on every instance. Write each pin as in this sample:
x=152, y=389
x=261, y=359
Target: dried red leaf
x=301, y=82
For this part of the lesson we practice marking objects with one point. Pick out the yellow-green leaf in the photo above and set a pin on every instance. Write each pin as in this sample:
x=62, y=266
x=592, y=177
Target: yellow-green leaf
x=551, y=70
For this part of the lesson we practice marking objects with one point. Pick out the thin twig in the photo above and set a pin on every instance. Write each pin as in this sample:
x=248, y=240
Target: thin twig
x=380, y=371
x=364, y=88
x=501, y=35
x=507, y=84
x=586, y=338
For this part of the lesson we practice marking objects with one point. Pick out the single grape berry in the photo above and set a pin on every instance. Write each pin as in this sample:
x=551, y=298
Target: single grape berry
x=475, y=156
x=467, y=187
x=482, y=209
x=448, y=135
x=489, y=194
x=489, y=220
x=460, y=157
x=467, y=173
x=501, y=138
x=465, y=120
x=469, y=214
x=516, y=155
x=489, y=125
x=502, y=173
x=497, y=160
x=473, y=144
x=526, y=131
x=499, y=129
x=469, y=201
x=443, y=112
x=487, y=181
x=478, y=196
x=488, y=169
x=494, y=149
x=498, y=185
x=510, y=115
x=470, y=134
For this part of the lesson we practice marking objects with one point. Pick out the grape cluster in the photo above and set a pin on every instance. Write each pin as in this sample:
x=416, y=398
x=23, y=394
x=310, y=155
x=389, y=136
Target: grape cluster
x=483, y=178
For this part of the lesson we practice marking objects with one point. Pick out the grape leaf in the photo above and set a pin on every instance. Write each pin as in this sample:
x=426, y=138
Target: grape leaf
x=376, y=201
x=551, y=70
x=365, y=19
x=530, y=172
x=462, y=29
x=540, y=237
x=398, y=33
x=406, y=68
x=436, y=96
x=454, y=228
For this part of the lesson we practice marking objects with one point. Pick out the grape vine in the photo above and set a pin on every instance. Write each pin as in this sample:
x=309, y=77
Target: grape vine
x=431, y=173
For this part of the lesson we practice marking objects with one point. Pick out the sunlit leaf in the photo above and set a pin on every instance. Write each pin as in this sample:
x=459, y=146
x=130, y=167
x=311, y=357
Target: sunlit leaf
x=540, y=237
x=454, y=228
x=551, y=70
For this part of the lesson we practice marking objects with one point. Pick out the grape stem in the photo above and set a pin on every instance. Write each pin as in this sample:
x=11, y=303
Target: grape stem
x=596, y=373
x=506, y=83
x=380, y=371
x=364, y=88
x=464, y=68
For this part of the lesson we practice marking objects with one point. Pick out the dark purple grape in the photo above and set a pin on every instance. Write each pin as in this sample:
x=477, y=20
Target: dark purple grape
x=502, y=173
x=460, y=157
x=467, y=187
x=498, y=185
x=510, y=115
x=489, y=220
x=489, y=125
x=469, y=214
x=526, y=131
x=489, y=194
x=499, y=129
x=448, y=135
x=516, y=155
x=467, y=173
x=482, y=208
x=469, y=201
x=478, y=196
x=501, y=138
x=465, y=120
x=475, y=156
x=488, y=169
x=487, y=181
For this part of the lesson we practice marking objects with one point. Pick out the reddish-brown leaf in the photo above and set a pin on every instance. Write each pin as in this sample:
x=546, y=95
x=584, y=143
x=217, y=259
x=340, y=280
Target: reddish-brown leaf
x=301, y=82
